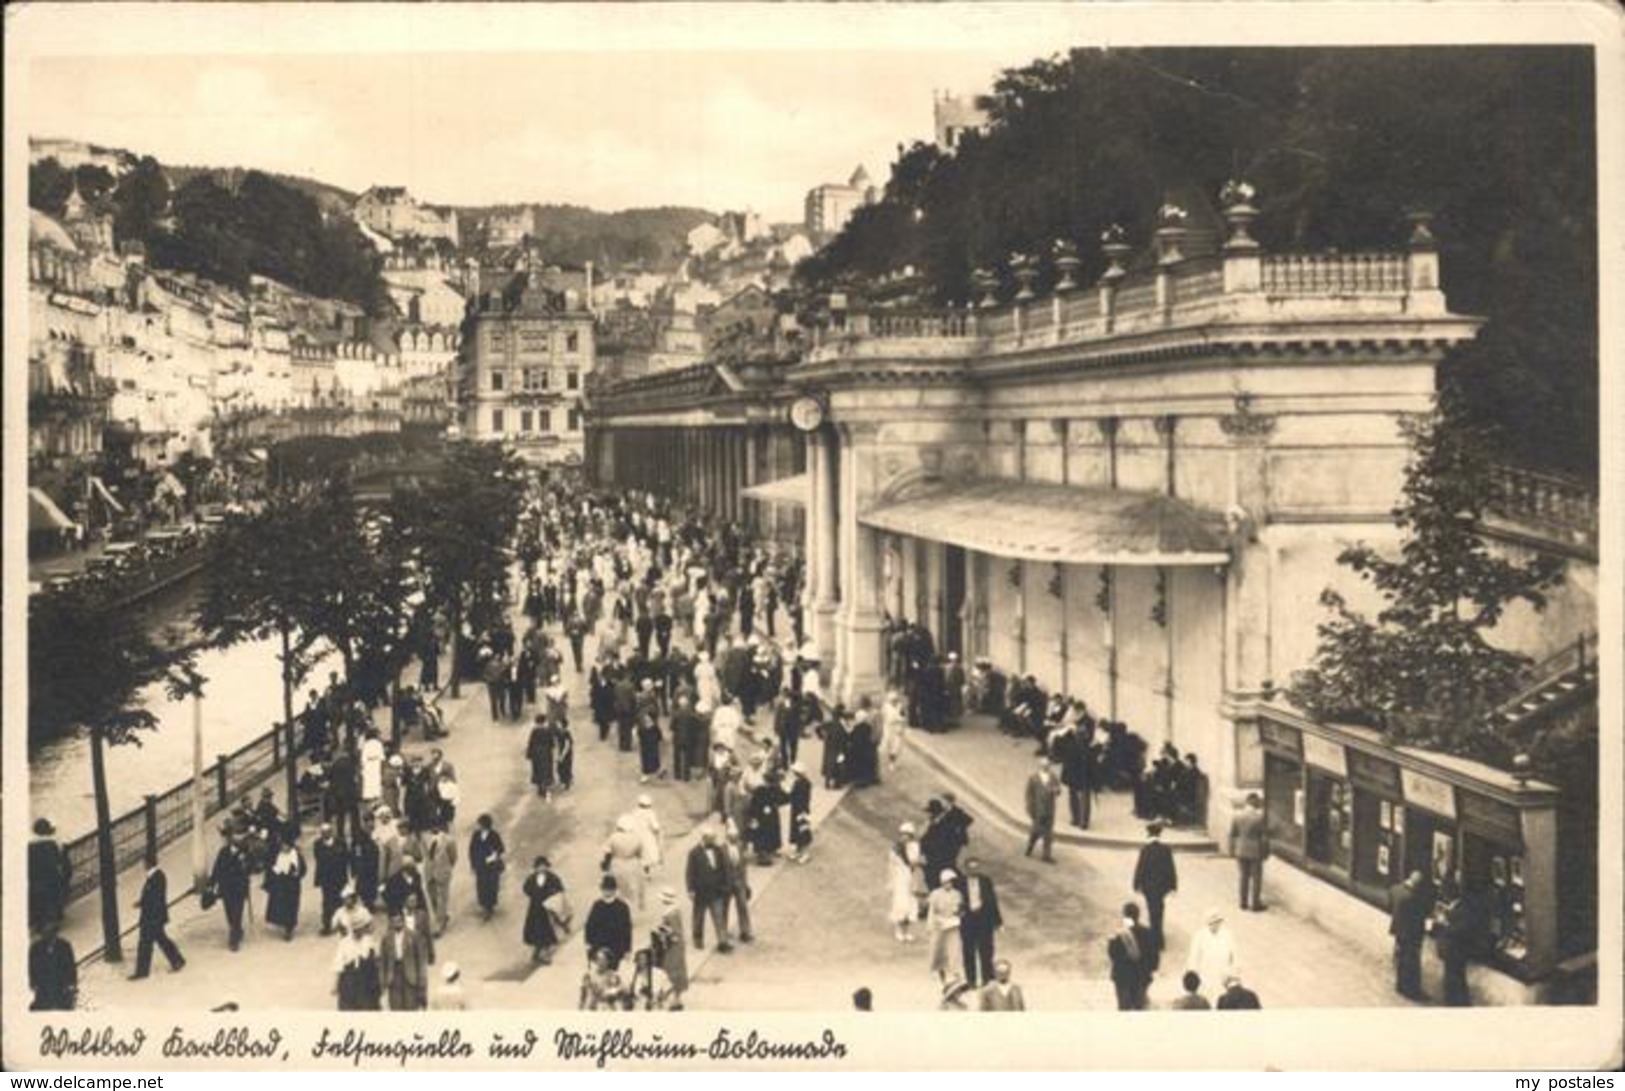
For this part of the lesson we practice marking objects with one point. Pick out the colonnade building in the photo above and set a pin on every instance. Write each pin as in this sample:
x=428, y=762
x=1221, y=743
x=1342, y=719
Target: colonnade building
x=1134, y=491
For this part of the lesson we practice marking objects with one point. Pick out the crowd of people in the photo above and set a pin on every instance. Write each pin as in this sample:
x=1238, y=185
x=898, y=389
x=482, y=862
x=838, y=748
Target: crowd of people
x=683, y=642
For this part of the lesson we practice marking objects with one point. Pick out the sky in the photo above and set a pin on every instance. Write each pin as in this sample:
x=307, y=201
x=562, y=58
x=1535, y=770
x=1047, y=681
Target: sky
x=607, y=129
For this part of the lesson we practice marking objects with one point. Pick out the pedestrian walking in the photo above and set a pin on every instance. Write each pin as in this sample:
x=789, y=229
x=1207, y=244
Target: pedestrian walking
x=332, y=872
x=153, y=924
x=1250, y=845
x=547, y=916
x=539, y=752
x=366, y=861
x=1042, y=790
x=800, y=798
x=980, y=923
x=1132, y=953
x=228, y=884
x=943, y=907
x=358, y=983
x=1213, y=950
x=740, y=894
x=403, y=966
x=439, y=864
x=486, y=861
x=707, y=879
x=49, y=871
x=894, y=723
x=623, y=859
x=1155, y=878
x=609, y=924
x=905, y=882
x=671, y=946
x=284, y=878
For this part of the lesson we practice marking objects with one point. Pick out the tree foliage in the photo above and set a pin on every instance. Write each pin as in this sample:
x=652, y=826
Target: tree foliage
x=1497, y=142
x=1423, y=667
x=86, y=668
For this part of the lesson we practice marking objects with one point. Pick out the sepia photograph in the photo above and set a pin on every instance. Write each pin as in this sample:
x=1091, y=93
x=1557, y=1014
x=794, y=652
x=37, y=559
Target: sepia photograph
x=680, y=534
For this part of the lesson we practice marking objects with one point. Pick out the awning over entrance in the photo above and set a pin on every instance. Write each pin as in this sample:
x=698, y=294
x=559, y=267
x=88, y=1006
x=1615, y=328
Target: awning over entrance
x=1057, y=523
x=786, y=490
x=43, y=514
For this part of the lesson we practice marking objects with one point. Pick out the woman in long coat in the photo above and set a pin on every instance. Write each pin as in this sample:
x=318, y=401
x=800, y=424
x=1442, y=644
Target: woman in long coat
x=359, y=987
x=539, y=750
x=541, y=934
x=765, y=828
x=282, y=880
x=863, y=750
x=836, y=761
x=648, y=745
x=800, y=796
x=485, y=860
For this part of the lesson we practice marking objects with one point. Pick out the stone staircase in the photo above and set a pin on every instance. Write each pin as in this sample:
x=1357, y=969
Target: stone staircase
x=1556, y=683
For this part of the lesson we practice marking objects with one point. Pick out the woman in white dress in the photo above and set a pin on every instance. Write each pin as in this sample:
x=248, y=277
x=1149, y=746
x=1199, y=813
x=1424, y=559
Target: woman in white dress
x=1212, y=955
x=905, y=873
x=372, y=768
x=893, y=724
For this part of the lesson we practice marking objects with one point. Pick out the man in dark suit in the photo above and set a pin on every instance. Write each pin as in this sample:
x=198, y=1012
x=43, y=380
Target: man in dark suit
x=1410, y=903
x=403, y=966
x=154, y=906
x=1133, y=956
x=979, y=923
x=48, y=875
x=229, y=881
x=332, y=873
x=708, y=887
x=1155, y=878
x=1250, y=845
x=53, y=972
x=1237, y=997
x=609, y=923
x=1071, y=752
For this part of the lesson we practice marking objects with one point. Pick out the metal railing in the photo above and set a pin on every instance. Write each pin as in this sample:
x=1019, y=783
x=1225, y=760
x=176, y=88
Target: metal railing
x=161, y=820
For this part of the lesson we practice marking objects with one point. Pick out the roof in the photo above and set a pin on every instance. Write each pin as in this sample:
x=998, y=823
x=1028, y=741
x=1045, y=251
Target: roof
x=859, y=179
x=44, y=230
x=1058, y=523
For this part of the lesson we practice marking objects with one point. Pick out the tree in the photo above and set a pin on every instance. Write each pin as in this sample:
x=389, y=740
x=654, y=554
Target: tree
x=258, y=584
x=1423, y=668
x=87, y=667
x=456, y=529
x=141, y=200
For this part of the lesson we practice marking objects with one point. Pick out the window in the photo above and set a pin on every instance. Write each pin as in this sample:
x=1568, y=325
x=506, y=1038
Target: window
x=496, y=380
x=544, y=420
x=572, y=343
x=524, y=420
x=496, y=420
x=546, y=376
x=575, y=420
x=572, y=379
x=530, y=378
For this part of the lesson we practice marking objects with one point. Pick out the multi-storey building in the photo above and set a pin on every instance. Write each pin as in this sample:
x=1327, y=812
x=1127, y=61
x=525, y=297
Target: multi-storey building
x=954, y=117
x=830, y=205
x=526, y=363
x=393, y=212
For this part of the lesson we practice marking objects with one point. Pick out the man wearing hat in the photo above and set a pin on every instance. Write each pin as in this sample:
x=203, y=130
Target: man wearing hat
x=1042, y=790
x=450, y=995
x=980, y=923
x=1250, y=845
x=48, y=875
x=1155, y=878
x=1213, y=951
x=1237, y=997
x=53, y=972
x=332, y=872
x=609, y=923
x=406, y=881
x=403, y=966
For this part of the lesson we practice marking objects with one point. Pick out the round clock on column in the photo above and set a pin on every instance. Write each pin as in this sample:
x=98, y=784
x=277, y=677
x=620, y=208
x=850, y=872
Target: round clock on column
x=807, y=413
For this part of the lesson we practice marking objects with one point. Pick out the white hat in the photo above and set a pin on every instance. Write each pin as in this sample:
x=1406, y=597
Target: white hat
x=645, y=801
x=906, y=827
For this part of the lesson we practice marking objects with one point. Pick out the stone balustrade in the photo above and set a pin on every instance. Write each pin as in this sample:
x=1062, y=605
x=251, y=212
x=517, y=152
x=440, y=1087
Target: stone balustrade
x=1334, y=274
x=1545, y=500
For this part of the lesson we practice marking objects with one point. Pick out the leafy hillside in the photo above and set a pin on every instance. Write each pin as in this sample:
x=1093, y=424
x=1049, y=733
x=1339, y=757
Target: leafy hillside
x=1340, y=143
x=571, y=234
x=329, y=198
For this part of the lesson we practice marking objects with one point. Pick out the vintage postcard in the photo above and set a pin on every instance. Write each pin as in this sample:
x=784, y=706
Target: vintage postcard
x=709, y=536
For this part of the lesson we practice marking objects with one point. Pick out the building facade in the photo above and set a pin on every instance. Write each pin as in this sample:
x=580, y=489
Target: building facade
x=1135, y=493
x=829, y=206
x=954, y=117
x=527, y=361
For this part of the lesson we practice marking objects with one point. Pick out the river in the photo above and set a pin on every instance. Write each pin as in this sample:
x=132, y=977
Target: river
x=241, y=699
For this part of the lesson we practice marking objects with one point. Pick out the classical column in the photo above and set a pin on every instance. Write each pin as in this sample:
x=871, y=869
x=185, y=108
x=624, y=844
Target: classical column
x=858, y=624
x=824, y=526
x=753, y=508
x=1246, y=597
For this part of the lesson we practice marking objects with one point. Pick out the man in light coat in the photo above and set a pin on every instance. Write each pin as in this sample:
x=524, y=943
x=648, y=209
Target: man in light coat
x=1042, y=790
x=403, y=964
x=439, y=861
